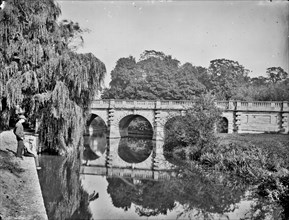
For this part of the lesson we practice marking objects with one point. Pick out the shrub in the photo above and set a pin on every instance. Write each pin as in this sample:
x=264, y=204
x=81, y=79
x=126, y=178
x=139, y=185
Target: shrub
x=189, y=135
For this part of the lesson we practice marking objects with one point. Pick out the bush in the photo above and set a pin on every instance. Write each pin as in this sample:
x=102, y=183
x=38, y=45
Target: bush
x=189, y=135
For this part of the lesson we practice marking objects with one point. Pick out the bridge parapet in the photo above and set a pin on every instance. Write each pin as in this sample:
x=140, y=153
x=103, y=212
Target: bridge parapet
x=264, y=106
x=270, y=106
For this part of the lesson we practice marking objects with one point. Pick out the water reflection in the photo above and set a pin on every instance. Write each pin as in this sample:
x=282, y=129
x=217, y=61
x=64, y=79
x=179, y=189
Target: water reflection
x=105, y=192
x=94, y=147
x=188, y=195
x=63, y=195
x=151, y=196
x=95, y=139
x=135, y=149
x=193, y=191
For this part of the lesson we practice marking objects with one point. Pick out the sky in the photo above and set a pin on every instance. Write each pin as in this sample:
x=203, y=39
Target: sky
x=254, y=33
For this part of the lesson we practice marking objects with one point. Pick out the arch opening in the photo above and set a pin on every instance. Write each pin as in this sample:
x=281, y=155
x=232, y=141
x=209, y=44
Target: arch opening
x=222, y=125
x=136, y=143
x=95, y=138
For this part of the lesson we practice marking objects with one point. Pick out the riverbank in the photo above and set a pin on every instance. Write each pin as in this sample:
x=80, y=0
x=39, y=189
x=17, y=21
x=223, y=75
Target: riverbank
x=264, y=140
x=273, y=143
x=20, y=192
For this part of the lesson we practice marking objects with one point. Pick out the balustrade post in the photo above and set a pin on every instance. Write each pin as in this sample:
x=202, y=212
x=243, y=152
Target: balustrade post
x=250, y=104
x=111, y=103
x=231, y=105
x=272, y=105
x=157, y=104
x=285, y=106
x=238, y=105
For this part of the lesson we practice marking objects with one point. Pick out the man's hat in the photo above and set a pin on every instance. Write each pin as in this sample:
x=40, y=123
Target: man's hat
x=21, y=117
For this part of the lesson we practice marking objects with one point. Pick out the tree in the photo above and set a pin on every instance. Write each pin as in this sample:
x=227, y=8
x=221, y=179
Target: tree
x=122, y=78
x=154, y=76
x=42, y=74
x=188, y=85
x=274, y=87
x=188, y=136
x=258, y=81
x=276, y=74
x=226, y=76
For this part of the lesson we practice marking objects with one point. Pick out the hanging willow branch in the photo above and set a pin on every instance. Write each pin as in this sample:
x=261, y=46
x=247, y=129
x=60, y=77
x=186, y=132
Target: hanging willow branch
x=40, y=72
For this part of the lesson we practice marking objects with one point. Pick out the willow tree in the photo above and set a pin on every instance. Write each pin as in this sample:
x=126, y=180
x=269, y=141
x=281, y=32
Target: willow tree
x=41, y=72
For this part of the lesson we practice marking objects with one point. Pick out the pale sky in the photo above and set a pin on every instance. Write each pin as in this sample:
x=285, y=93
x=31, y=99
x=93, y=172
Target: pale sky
x=254, y=33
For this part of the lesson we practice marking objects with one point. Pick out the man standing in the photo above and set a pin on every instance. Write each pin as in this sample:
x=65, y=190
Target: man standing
x=19, y=132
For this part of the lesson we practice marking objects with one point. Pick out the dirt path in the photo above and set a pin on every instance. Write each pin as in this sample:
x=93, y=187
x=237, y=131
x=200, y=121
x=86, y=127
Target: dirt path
x=20, y=193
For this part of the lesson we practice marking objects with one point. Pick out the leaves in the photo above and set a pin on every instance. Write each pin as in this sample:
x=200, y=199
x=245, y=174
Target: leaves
x=154, y=76
x=226, y=76
x=189, y=135
x=41, y=73
x=276, y=74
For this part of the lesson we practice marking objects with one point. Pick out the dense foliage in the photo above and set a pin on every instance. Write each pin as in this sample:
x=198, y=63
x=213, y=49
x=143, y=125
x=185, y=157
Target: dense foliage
x=155, y=76
x=159, y=76
x=41, y=73
x=188, y=136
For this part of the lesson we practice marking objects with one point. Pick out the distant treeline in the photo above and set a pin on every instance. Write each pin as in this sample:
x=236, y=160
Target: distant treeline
x=159, y=76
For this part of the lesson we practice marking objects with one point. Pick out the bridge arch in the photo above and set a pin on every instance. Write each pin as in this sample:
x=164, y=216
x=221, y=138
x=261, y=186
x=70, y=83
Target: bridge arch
x=136, y=144
x=95, y=138
x=223, y=125
x=94, y=122
x=135, y=124
x=121, y=119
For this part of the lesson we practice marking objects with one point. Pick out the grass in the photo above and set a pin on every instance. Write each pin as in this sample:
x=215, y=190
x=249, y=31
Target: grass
x=261, y=140
x=7, y=163
x=274, y=147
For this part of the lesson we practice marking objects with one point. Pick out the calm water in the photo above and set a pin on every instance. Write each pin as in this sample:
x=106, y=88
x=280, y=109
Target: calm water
x=97, y=191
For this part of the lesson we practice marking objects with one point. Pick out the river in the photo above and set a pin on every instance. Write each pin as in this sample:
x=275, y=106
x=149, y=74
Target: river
x=91, y=188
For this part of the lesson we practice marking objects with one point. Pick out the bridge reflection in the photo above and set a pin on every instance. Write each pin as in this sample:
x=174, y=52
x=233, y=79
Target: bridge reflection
x=137, y=174
x=135, y=148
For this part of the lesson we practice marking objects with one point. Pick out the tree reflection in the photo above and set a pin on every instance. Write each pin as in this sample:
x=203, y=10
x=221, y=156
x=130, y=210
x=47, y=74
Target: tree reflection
x=135, y=149
x=150, y=195
x=63, y=195
x=207, y=193
x=192, y=190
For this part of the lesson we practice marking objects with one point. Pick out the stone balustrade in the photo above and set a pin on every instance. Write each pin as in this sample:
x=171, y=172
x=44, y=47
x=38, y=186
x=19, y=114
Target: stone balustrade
x=260, y=106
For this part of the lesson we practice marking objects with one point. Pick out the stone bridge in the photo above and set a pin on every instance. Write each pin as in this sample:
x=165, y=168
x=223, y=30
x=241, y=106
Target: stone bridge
x=240, y=117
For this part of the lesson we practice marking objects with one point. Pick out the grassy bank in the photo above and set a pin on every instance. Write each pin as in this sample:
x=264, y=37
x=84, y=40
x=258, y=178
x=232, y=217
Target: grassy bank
x=250, y=156
x=272, y=150
x=277, y=141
